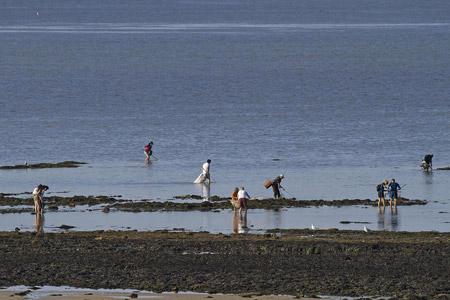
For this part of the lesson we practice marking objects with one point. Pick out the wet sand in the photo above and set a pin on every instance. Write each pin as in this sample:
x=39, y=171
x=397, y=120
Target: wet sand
x=289, y=262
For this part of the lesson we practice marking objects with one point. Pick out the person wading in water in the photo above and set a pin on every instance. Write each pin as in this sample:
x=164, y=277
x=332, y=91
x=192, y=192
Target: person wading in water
x=148, y=151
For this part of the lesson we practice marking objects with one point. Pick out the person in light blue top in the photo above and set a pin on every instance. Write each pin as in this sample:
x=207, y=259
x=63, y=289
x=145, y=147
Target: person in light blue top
x=393, y=189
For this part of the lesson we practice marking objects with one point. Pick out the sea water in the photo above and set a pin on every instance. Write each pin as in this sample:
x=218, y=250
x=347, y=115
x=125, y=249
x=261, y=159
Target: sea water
x=335, y=95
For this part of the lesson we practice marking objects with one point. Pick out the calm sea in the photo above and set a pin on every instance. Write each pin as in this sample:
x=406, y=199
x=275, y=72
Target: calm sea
x=337, y=95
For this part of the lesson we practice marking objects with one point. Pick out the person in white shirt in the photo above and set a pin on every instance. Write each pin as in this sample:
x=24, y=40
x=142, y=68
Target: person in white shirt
x=38, y=194
x=205, y=170
x=243, y=198
x=205, y=175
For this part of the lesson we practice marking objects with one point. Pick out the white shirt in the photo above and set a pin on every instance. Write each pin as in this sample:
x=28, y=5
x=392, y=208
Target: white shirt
x=205, y=168
x=35, y=191
x=242, y=194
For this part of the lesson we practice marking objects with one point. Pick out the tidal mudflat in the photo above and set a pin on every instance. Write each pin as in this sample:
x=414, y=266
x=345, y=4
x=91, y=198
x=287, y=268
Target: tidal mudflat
x=289, y=262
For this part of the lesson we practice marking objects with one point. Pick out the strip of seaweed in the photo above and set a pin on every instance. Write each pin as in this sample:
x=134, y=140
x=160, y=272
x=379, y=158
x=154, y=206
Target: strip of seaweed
x=223, y=203
x=64, y=164
x=252, y=204
x=60, y=201
x=16, y=210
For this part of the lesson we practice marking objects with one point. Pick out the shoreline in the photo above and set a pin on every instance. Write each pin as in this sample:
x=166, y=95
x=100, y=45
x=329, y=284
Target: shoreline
x=48, y=292
x=297, y=263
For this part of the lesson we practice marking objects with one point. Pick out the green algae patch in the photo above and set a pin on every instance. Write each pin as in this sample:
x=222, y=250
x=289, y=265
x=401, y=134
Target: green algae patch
x=216, y=205
x=63, y=164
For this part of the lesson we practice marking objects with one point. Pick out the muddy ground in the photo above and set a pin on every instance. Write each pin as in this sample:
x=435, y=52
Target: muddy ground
x=296, y=262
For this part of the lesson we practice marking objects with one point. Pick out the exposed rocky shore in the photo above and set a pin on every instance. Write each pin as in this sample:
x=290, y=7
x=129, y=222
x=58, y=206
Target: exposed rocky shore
x=63, y=164
x=293, y=262
x=111, y=203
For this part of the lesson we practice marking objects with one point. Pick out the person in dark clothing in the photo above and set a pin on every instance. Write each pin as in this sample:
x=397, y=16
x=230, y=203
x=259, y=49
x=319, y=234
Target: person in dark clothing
x=380, y=192
x=276, y=185
x=427, y=162
x=393, y=189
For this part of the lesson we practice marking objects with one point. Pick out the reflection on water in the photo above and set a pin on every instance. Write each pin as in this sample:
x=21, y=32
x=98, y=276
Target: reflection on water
x=388, y=220
x=428, y=176
x=402, y=219
x=39, y=226
x=239, y=221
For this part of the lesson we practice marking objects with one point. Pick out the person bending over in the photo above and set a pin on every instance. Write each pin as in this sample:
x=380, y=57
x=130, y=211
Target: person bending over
x=243, y=198
x=276, y=185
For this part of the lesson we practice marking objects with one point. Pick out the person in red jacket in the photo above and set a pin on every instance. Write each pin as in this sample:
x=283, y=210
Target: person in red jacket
x=148, y=151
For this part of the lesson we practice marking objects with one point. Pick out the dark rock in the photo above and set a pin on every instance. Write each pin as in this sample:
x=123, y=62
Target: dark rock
x=188, y=196
x=24, y=293
x=64, y=164
x=66, y=227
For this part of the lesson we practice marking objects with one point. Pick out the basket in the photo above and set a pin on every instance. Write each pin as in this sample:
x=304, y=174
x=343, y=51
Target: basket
x=267, y=183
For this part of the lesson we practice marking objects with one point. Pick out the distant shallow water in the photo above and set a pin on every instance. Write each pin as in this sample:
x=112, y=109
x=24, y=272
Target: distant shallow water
x=335, y=95
x=218, y=28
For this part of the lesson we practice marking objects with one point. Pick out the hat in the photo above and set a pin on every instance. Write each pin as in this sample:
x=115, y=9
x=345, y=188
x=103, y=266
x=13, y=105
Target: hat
x=281, y=176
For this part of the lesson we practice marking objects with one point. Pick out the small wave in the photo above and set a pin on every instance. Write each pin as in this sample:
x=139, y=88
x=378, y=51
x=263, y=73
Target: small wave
x=221, y=27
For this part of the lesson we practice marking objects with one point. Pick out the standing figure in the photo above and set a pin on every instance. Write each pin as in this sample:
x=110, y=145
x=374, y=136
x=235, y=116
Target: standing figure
x=235, y=199
x=205, y=175
x=38, y=195
x=276, y=185
x=393, y=189
x=380, y=194
x=243, y=198
x=148, y=151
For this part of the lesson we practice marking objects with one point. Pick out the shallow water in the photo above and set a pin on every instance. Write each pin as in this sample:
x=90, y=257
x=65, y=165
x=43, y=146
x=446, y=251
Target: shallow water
x=52, y=292
x=343, y=94
x=227, y=221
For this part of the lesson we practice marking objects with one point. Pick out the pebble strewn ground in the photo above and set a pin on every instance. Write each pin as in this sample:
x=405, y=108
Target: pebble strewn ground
x=297, y=262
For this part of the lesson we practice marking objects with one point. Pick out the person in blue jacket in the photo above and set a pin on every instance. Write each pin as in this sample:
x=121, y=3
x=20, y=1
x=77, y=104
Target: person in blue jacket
x=393, y=189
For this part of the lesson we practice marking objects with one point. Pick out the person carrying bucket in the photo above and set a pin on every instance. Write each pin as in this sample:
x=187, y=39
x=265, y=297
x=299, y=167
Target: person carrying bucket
x=276, y=185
